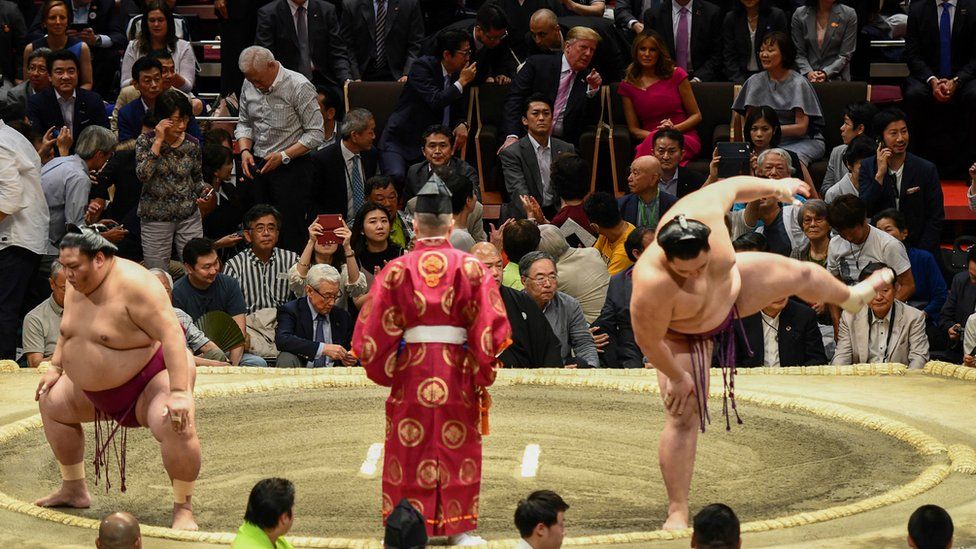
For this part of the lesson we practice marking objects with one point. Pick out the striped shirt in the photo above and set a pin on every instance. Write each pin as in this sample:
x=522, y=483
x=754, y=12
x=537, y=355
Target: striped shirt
x=264, y=284
x=288, y=113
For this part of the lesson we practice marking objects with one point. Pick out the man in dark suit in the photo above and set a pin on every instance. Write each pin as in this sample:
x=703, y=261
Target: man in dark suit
x=614, y=320
x=941, y=54
x=238, y=21
x=896, y=178
x=546, y=32
x=390, y=55
x=490, y=41
x=959, y=306
x=13, y=36
x=434, y=94
x=147, y=78
x=311, y=331
x=563, y=81
x=305, y=36
x=341, y=170
x=785, y=333
x=438, y=146
x=703, y=61
x=518, y=13
x=669, y=149
x=64, y=103
x=645, y=203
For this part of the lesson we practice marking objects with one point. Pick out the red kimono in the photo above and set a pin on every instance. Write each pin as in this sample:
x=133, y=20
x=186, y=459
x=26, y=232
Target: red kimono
x=433, y=438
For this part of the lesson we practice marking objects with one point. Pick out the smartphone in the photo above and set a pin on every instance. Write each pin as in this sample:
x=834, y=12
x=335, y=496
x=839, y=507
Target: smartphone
x=79, y=26
x=329, y=223
x=734, y=158
x=259, y=162
x=208, y=194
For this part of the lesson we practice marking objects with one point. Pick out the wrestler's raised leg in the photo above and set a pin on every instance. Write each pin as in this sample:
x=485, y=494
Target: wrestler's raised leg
x=181, y=451
x=679, y=441
x=770, y=277
x=63, y=409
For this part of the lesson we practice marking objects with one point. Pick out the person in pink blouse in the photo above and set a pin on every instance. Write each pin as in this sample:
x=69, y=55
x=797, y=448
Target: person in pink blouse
x=656, y=95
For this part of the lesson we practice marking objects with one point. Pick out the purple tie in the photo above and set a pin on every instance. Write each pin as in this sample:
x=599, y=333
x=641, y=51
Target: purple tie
x=562, y=98
x=681, y=40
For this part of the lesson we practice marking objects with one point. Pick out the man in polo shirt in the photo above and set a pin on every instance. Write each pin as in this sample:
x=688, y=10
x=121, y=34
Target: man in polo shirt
x=262, y=269
x=42, y=325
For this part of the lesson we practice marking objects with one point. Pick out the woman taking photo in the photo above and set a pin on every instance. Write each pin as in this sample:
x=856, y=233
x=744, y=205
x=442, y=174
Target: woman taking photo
x=158, y=32
x=825, y=36
x=763, y=131
x=657, y=95
x=168, y=164
x=352, y=284
x=371, y=242
x=743, y=32
x=54, y=21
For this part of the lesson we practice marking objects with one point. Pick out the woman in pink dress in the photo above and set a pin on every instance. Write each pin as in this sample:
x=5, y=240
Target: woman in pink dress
x=656, y=95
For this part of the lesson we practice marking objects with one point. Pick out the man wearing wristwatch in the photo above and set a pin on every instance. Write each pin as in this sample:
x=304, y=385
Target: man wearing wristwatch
x=279, y=124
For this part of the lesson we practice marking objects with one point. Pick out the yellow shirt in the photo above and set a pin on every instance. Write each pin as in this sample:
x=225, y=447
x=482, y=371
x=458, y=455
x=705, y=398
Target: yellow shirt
x=613, y=252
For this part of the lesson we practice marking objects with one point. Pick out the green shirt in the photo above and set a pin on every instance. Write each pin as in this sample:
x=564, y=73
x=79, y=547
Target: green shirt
x=511, y=276
x=251, y=536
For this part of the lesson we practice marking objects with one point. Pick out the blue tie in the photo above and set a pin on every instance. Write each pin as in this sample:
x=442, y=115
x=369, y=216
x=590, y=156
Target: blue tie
x=323, y=360
x=358, y=190
x=945, y=42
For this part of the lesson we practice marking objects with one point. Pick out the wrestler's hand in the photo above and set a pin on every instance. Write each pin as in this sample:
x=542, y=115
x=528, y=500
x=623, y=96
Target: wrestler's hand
x=177, y=407
x=678, y=392
x=789, y=188
x=50, y=377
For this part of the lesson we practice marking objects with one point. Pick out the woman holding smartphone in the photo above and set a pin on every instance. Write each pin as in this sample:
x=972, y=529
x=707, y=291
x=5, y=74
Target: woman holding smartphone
x=54, y=21
x=338, y=254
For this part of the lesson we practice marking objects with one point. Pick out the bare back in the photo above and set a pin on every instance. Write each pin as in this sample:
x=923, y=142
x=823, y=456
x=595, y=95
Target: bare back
x=101, y=347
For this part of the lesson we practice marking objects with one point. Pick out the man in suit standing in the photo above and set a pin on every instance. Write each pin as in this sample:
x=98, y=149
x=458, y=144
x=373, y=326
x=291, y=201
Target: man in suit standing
x=305, y=35
x=434, y=94
x=942, y=65
x=896, y=178
x=238, y=21
x=564, y=83
x=341, y=170
x=64, y=104
x=885, y=331
x=527, y=165
x=785, y=333
x=312, y=332
x=669, y=149
x=384, y=37
x=645, y=203
x=692, y=30
x=490, y=41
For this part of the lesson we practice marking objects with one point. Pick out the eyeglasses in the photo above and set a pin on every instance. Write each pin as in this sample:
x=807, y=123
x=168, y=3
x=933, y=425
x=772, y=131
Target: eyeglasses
x=329, y=298
x=464, y=53
x=270, y=229
x=542, y=280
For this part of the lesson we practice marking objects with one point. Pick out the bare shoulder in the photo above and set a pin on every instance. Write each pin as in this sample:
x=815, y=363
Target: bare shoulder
x=136, y=279
x=650, y=280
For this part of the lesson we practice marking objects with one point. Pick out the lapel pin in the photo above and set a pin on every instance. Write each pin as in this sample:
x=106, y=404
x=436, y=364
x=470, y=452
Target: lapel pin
x=788, y=328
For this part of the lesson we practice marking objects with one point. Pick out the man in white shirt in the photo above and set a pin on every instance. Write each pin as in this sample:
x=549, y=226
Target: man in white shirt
x=539, y=519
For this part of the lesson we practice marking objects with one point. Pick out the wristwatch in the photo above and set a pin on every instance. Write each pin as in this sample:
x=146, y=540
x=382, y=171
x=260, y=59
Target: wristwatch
x=285, y=159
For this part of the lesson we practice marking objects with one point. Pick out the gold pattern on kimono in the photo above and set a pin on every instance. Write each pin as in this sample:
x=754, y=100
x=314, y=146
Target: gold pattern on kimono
x=369, y=349
x=433, y=267
x=432, y=392
x=453, y=510
x=447, y=301
x=487, y=346
x=468, y=473
x=411, y=432
x=393, y=471
x=427, y=474
x=497, y=303
x=474, y=270
x=387, y=504
x=415, y=503
x=392, y=321
x=420, y=302
x=470, y=312
x=394, y=276
x=453, y=434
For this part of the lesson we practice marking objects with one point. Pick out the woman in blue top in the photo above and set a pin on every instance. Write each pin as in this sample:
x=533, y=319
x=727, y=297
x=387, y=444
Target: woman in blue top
x=55, y=18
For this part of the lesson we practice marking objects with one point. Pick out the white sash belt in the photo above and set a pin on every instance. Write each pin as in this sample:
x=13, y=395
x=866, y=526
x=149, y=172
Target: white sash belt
x=436, y=334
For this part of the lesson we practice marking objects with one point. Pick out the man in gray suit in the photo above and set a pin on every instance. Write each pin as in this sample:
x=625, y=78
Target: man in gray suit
x=526, y=165
x=886, y=331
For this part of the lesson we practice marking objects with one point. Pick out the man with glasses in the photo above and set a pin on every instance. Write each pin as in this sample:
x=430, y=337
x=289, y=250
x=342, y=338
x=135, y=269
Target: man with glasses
x=262, y=269
x=312, y=332
x=538, y=270
x=42, y=325
x=669, y=149
x=490, y=46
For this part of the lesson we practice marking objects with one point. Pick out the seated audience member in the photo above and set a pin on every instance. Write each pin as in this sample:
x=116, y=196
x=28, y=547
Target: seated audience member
x=614, y=320
x=742, y=33
x=584, y=274
x=763, y=131
x=858, y=244
x=261, y=269
x=425, y=101
x=269, y=516
x=896, y=178
x=329, y=105
x=930, y=287
x=519, y=14
x=42, y=325
x=119, y=531
x=343, y=168
x=473, y=222
x=518, y=238
x=205, y=352
x=656, y=95
x=570, y=177
x=382, y=190
x=601, y=209
x=370, y=242
x=959, y=306
x=645, y=203
x=885, y=331
x=779, y=220
x=527, y=166
x=438, y=150
x=858, y=120
x=158, y=32
x=538, y=271
x=784, y=333
x=701, y=55
x=750, y=242
x=389, y=55
x=150, y=89
x=52, y=28
x=320, y=55
x=490, y=44
x=340, y=255
x=36, y=80
x=133, y=29
x=567, y=83
x=930, y=527
x=669, y=149
x=65, y=104
x=462, y=205
x=812, y=217
x=129, y=93
x=540, y=519
x=822, y=56
x=534, y=345
x=860, y=148
x=312, y=332
x=716, y=526
x=547, y=31
x=969, y=342
x=204, y=289
x=222, y=217
x=789, y=94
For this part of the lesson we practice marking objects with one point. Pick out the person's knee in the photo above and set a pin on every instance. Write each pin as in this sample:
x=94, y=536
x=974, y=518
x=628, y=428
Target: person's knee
x=288, y=360
x=253, y=361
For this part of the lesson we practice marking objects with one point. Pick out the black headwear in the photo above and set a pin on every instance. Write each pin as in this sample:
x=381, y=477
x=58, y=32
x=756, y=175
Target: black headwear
x=405, y=528
x=434, y=197
x=680, y=229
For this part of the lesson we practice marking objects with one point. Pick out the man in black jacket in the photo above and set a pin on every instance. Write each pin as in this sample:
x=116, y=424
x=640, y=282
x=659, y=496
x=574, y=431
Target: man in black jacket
x=704, y=27
x=785, y=333
x=490, y=43
x=960, y=303
x=614, y=320
x=341, y=169
x=390, y=55
x=311, y=331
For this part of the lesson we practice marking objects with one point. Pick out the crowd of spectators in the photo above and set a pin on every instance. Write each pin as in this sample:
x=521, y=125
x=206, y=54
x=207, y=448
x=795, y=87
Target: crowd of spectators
x=272, y=228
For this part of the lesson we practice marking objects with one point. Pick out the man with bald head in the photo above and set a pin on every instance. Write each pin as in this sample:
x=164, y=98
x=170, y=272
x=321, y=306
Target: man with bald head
x=534, y=343
x=119, y=531
x=645, y=203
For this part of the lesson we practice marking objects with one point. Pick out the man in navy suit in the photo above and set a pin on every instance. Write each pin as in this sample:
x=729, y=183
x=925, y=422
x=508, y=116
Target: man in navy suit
x=785, y=333
x=565, y=83
x=704, y=48
x=311, y=331
x=434, y=94
x=64, y=104
x=896, y=178
x=490, y=43
x=147, y=77
x=391, y=55
x=645, y=203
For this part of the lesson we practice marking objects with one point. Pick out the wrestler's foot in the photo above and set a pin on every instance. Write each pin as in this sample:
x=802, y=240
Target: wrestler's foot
x=466, y=539
x=183, y=517
x=676, y=521
x=863, y=292
x=73, y=493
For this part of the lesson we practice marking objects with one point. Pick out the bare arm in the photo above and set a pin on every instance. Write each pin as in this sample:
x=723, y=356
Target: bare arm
x=236, y=353
x=34, y=359
x=906, y=286
x=690, y=105
x=633, y=124
x=652, y=314
x=710, y=203
x=150, y=309
x=799, y=127
x=595, y=10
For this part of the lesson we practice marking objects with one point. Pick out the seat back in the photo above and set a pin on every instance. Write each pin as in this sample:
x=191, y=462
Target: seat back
x=489, y=112
x=715, y=104
x=379, y=98
x=834, y=98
